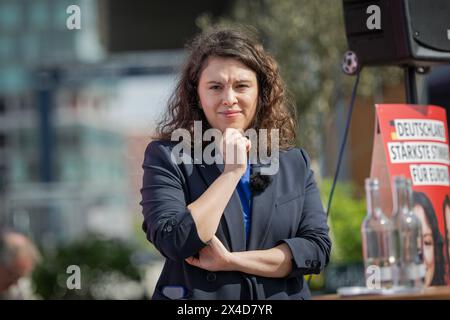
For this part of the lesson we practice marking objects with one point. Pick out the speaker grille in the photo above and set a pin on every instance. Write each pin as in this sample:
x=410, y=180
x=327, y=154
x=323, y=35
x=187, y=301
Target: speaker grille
x=431, y=30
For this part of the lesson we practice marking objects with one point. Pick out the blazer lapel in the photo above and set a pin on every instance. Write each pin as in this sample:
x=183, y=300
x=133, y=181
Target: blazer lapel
x=262, y=215
x=233, y=210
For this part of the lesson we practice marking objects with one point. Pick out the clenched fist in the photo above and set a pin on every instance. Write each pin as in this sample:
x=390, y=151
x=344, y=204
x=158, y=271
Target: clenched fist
x=234, y=148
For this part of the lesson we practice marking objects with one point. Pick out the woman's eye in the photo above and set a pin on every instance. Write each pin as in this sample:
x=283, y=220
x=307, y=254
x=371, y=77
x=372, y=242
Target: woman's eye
x=214, y=87
x=428, y=242
x=243, y=86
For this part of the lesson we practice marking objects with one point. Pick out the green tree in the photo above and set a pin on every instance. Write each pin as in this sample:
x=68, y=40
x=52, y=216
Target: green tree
x=346, y=215
x=105, y=266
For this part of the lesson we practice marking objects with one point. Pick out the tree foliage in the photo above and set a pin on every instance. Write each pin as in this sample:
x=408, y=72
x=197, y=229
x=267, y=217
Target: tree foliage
x=346, y=216
x=105, y=265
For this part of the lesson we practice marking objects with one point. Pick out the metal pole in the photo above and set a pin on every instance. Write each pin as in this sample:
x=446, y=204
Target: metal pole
x=410, y=85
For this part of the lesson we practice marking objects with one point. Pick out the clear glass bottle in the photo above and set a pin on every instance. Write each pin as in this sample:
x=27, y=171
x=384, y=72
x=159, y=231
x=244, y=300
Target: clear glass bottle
x=408, y=230
x=378, y=241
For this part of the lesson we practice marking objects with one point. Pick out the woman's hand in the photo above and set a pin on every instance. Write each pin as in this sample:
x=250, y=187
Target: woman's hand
x=273, y=263
x=234, y=148
x=213, y=257
x=208, y=209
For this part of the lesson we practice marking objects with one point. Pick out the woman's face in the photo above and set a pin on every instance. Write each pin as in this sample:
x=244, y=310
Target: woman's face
x=428, y=244
x=228, y=92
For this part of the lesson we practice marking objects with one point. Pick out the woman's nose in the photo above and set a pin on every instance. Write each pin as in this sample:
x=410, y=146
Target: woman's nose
x=229, y=97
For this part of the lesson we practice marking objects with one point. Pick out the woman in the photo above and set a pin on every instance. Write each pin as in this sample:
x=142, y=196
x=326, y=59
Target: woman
x=228, y=232
x=432, y=241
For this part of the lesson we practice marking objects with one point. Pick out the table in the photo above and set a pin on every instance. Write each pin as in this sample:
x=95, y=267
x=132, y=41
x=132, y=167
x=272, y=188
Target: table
x=430, y=293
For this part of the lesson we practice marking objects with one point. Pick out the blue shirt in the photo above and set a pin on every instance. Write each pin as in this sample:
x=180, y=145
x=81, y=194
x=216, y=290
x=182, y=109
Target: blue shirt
x=245, y=195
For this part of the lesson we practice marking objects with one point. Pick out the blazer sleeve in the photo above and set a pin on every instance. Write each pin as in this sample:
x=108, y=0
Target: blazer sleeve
x=168, y=222
x=312, y=246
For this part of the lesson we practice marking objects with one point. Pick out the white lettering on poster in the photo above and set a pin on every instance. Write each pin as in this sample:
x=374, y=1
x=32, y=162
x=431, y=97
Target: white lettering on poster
x=405, y=152
x=414, y=129
x=429, y=175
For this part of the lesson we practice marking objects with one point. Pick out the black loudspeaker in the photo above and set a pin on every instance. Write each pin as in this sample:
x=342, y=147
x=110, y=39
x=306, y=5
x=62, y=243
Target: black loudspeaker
x=398, y=32
x=142, y=25
x=437, y=86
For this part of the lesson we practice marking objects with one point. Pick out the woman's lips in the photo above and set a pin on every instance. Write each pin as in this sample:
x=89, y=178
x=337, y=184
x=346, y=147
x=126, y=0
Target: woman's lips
x=230, y=114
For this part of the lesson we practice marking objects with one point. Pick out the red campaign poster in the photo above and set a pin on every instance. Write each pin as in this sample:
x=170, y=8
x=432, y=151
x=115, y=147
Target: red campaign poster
x=412, y=140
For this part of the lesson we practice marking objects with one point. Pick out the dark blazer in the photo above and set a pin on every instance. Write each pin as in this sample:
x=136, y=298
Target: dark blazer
x=289, y=210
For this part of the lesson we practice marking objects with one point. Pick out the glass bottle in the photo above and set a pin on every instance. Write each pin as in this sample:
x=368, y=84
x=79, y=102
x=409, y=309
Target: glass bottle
x=378, y=241
x=408, y=231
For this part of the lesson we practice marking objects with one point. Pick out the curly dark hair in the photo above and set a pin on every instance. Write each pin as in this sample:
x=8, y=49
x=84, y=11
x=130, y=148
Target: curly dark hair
x=274, y=110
